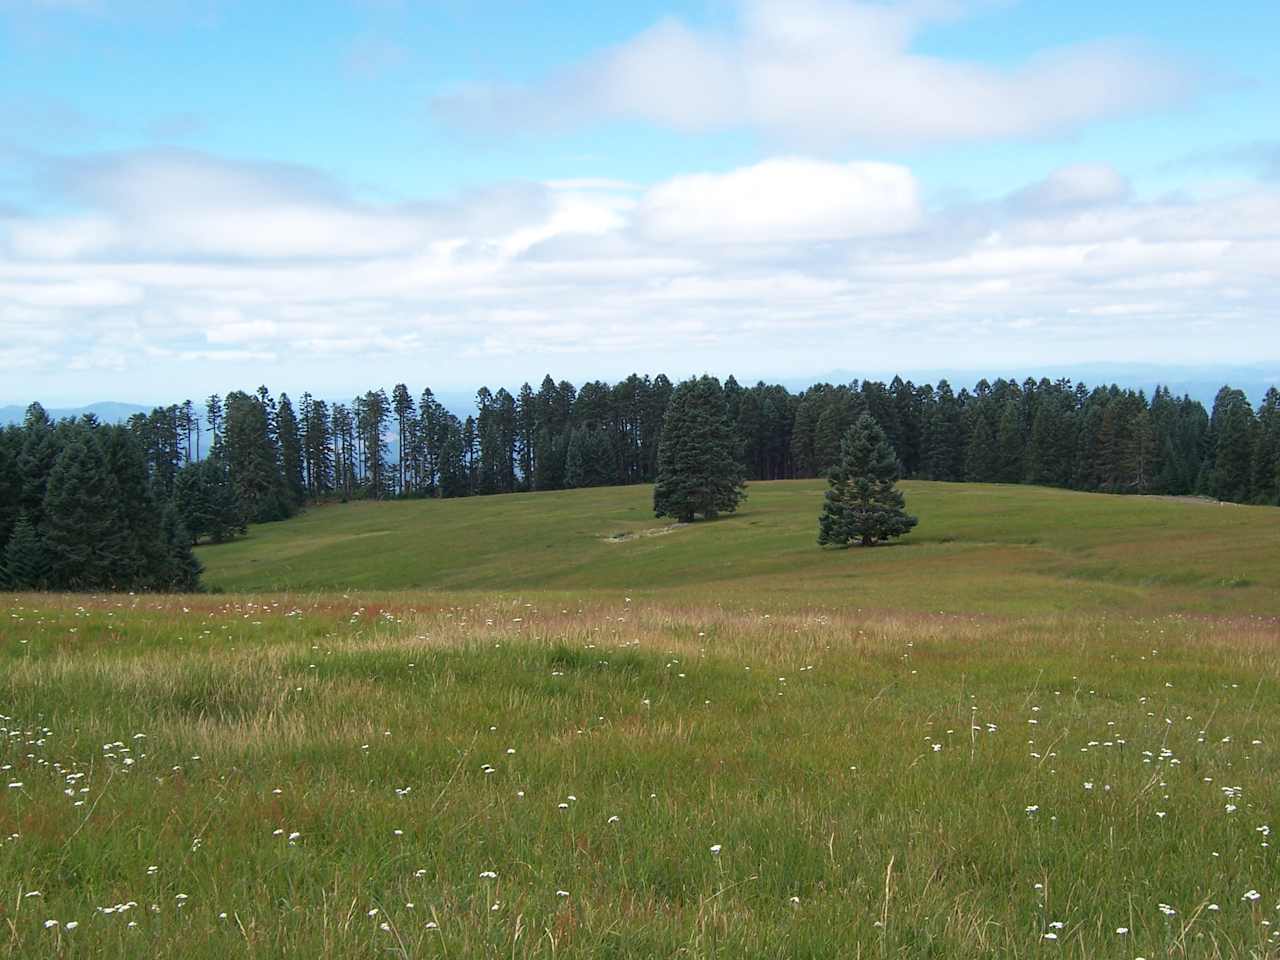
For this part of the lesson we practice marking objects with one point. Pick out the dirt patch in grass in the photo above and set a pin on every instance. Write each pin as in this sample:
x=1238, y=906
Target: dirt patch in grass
x=626, y=536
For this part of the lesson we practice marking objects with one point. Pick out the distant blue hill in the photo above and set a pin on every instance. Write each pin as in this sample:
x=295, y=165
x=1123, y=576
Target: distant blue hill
x=108, y=411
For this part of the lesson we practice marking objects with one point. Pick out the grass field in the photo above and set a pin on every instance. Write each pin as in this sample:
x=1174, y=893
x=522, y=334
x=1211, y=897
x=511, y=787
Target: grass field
x=479, y=729
x=996, y=549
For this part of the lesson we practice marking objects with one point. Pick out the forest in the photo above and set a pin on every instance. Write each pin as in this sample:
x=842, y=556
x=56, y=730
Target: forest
x=141, y=494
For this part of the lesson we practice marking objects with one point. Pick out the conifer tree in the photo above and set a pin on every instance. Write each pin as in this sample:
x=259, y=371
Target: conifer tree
x=1009, y=445
x=980, y=459
x=25, y=563
x=863, y=504
x=698, y=469
x=178, y=569
x=10, y=482
x=87, y=545
x=290, y=451
x=588, y=457
x=206, y=502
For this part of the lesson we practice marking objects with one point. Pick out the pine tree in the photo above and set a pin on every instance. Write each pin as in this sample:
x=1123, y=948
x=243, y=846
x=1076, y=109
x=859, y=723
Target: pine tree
x=88, y=547
x=10, y=482
x=863, y=504
x=981, y=459
x=698, y=470
x=249, y=449
x=206, y=502
x=133, y=513
x=1266, y=451
x=25, y=563
x=587, y=461
x=290, y=452
x=1233, y=452
x=178, y=569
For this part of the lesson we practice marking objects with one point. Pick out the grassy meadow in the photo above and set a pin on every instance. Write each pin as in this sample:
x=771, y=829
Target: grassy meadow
x=1045, y=725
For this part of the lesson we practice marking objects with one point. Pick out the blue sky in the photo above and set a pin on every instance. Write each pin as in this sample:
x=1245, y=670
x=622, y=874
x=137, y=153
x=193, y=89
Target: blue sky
x=204, y=195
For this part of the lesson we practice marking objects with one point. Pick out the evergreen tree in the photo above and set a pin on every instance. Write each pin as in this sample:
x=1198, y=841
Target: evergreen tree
x=10, y=482
x=290, y=440
x=549, y=467
x=1009, y=445
x=863, y=504
x=178, y=569
x=1266, y=451
x=1233, y=452
x=587, y=459
x=454, y=481
x=981, y=459
x=698, y=469
x=944, y=436
x=133, y=512
x=87, y=546
x=206, y=502
x=25, y=563
x=249, y=449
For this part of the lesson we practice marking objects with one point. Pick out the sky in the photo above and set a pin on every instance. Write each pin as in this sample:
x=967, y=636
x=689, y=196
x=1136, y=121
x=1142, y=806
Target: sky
x=205, y=195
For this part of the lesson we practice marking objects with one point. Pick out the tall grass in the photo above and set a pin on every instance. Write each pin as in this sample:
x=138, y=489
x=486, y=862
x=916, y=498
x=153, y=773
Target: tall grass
x=528, y=776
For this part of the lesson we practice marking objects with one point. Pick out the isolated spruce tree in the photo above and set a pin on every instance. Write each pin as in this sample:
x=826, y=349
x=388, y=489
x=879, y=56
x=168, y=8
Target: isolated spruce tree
x=25, y=563
x=698, y=469
x=863, y=504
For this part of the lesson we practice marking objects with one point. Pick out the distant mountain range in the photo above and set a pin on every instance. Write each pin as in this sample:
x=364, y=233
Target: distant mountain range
x=108, y=411
x=1200, y=383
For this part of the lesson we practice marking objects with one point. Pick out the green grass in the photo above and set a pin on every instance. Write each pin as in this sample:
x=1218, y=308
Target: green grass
x=1000, y=549
x=1046, y=713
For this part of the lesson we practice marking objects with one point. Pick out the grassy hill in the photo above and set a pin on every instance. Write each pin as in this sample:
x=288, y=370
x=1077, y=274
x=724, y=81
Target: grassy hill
x=1047, y=724
x=1002, y=549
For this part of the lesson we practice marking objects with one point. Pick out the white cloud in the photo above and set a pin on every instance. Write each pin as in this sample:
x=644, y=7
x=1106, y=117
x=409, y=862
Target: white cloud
x=782, y=263
x=829, y=72
x=1082, y=185
x=783, y=201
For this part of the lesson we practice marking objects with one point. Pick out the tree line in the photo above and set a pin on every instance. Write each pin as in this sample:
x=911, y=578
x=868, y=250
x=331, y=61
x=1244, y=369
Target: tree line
x=209, y=470
x=79, y=510
x=1056, y=433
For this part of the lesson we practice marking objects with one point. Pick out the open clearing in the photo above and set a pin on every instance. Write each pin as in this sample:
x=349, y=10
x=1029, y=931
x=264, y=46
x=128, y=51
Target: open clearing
x=979, y=547
x=1045, y=718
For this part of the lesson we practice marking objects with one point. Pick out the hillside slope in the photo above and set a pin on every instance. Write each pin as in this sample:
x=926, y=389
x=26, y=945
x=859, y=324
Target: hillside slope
x=999, y=549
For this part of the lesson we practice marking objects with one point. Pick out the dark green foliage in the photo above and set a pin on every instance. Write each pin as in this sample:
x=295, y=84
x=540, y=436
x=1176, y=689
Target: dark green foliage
x=206, y=502
x=944, y=436
x=1009, y=445
x=1233, y=451
x=178, y=570
x=698, y=470
x=588, y=459
x=1266, y=453
x=863, y=504
x=453, y=467
x=290, y=440
x=10, y=480
x=249, y=450
x=24, y=565
x=264, y=459
x=86, y=536
x=981, y=458
x=133, y=512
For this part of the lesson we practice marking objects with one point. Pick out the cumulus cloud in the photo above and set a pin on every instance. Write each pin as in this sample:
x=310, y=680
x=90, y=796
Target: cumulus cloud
x=784, y=201
x=176, y=261
x=832, y=71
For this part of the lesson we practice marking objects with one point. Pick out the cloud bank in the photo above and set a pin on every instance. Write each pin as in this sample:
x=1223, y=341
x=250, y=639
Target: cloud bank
x=831, y=72
x=181, y=260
